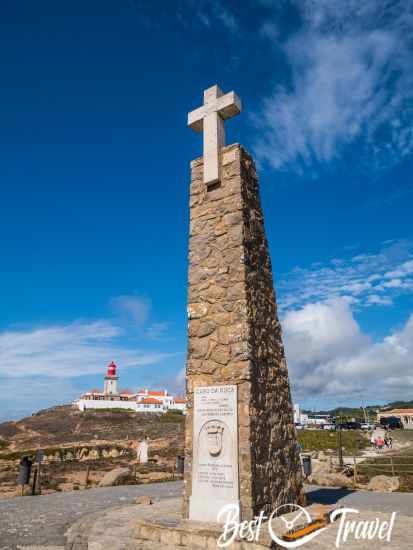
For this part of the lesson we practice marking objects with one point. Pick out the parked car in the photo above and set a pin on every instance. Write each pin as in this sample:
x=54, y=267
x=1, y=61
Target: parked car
x=349, y=426
x=367, y=426
x=299, y=426
x=331, y=427
x=393, y=422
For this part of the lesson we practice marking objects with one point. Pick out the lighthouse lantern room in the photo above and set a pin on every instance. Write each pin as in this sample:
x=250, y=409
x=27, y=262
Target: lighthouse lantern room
x=111, y=380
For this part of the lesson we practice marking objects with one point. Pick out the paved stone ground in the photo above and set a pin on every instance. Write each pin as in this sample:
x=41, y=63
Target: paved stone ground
x=115, y=529
x=43, y=520
x=366, y=500
x=40, y=522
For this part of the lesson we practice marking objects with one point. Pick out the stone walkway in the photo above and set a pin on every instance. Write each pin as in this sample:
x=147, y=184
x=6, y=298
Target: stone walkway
x=39, y=523
x=27, y=522
x=366, y=500
x=116, y=529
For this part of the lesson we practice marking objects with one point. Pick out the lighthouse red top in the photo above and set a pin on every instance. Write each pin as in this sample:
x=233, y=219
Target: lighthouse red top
x=111, y=369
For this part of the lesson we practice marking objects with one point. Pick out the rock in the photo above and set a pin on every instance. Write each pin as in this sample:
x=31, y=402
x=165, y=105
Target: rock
x=322, y=456
x=205, y=329
x=93, y=454
x=196, y=311
x=27, y=491
x=319, y=467
x=385, y=484
x=84, y=452
x=159, y=476
x=115, y=477
x=221, y=355
x=331, y=480
x=144, y=499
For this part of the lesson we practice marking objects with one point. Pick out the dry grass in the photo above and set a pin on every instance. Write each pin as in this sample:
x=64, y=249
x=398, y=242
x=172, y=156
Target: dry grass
x=320, y=440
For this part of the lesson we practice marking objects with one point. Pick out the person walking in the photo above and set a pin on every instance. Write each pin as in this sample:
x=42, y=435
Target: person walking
x=379, y=443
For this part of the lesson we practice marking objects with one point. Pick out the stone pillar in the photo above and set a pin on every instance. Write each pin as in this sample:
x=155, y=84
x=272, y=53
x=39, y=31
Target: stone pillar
x=235, y=336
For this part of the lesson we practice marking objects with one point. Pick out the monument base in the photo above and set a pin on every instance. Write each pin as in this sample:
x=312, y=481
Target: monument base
x=204, y=510
x=179, y=534
x=170, y=531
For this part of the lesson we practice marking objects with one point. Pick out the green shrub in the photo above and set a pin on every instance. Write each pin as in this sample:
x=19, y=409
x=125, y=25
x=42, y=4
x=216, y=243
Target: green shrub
x=173, y=416
x=115, y=410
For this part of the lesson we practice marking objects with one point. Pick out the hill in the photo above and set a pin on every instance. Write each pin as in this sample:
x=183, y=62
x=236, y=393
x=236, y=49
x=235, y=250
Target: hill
x=358, y=412
x=95, y=442
x=64, y=425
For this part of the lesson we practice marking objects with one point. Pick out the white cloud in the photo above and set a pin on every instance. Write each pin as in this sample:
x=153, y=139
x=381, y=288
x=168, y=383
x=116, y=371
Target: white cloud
x=68, y=350
x=363, y=279
x=351, y=79
x=227, y=19
x=331, y=359
x=136, y=308
x=404, y=269
x=320, y=331
x=375, y=299
x=157, y=331
x=215, y=13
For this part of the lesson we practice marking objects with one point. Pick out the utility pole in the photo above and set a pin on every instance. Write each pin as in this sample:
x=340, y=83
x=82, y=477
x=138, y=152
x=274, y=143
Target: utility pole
x=339, y=448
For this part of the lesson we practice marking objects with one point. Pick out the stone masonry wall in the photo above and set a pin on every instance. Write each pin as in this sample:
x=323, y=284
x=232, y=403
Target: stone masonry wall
x=234, y=333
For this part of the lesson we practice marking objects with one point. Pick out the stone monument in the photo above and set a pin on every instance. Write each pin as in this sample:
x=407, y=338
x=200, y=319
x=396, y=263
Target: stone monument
x=240, y=441
x=142, y=453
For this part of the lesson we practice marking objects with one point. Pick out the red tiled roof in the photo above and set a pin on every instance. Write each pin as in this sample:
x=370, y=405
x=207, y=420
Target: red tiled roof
x=151, y=401
x=179, y=400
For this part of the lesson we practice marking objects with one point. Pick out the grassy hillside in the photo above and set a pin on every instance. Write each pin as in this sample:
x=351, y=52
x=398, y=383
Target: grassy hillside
x=65, y=425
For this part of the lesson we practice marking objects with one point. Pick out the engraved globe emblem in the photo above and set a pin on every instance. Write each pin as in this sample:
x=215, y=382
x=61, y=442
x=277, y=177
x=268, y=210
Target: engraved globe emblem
x=214, y=432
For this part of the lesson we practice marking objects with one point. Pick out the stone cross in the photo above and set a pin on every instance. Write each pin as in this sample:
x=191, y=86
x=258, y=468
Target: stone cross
x=210, y=118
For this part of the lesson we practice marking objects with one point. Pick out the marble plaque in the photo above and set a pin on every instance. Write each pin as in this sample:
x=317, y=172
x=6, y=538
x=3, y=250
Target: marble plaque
x=215, y=452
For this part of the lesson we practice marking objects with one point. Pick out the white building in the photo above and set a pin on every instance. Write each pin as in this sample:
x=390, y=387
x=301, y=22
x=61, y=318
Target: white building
x=142, y=401
x=319, y=419
x=299, y=417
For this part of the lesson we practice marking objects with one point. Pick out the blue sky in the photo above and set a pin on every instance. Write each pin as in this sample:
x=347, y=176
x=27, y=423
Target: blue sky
x=94, y=172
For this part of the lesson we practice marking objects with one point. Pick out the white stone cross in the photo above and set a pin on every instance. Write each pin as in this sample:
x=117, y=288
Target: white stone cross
x=210, y=118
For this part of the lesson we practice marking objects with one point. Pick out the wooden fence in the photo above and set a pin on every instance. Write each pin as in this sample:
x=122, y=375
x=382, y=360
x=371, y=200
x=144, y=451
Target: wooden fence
x=386, y=465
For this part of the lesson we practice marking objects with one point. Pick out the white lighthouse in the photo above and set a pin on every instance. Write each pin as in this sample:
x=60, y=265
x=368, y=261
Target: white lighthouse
x=111, y=381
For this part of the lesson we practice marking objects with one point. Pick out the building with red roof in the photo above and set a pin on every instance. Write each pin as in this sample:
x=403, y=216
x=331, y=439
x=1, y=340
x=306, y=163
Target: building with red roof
x=144, y=400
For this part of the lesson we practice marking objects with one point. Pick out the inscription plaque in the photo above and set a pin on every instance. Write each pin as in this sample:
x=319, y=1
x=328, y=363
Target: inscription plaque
x=215, y=452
